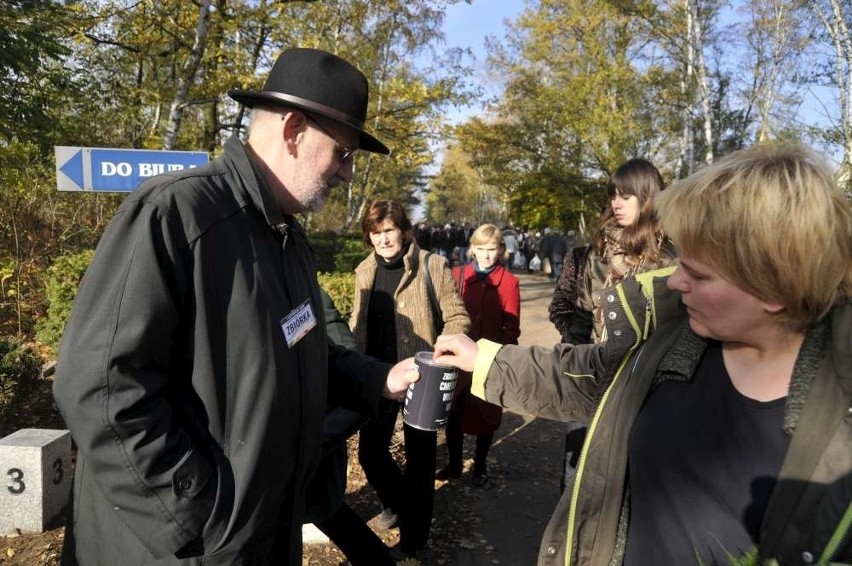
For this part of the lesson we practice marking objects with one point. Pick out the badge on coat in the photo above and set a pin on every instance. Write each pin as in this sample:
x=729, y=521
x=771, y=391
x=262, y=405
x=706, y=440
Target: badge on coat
x=297, y=323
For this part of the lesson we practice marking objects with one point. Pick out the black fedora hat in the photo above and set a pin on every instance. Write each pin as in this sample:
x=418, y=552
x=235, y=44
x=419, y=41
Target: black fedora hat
x=320, y=83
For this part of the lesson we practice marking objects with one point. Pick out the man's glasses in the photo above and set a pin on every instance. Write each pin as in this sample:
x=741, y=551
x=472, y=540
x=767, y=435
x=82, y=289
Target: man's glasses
x=343, y=152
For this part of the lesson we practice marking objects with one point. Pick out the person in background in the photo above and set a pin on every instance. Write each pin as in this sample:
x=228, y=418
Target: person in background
x=325, y=504
x=423, y=236
x=392, y=320
x=553, y=251
x=194, y=369
x=492, y=298
x=510, y=239
x=729, y=428
x=443, y=242
x=463, y=242
x=629, y=241
x=571, y=240
x=530, y=247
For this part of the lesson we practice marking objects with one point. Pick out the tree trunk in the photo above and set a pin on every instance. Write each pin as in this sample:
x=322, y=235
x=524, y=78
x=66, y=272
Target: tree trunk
x=687, y=152
x=832, y=17
x=703, y=82
x=187, y=76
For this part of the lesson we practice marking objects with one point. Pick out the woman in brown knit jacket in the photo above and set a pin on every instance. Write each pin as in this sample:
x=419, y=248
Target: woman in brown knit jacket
x=392, y=320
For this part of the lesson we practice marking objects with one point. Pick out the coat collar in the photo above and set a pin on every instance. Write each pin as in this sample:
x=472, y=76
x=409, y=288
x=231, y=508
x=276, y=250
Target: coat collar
x=411, y=259
x=493, y=279
x=258, y=192
x=682, y=360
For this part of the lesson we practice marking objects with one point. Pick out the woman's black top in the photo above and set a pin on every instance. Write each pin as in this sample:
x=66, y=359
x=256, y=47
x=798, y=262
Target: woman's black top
x=703, y=459
x=381, y=314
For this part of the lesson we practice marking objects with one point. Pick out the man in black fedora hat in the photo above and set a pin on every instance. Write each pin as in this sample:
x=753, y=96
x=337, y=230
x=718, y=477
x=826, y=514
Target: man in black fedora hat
x=195, y=367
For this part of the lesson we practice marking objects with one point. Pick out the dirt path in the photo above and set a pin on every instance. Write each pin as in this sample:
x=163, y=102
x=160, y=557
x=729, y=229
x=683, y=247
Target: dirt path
x=525, y=462
x=501, y=523
x=498, y=524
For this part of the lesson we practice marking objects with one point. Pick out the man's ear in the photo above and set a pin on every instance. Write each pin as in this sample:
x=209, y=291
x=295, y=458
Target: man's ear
x=293, y=126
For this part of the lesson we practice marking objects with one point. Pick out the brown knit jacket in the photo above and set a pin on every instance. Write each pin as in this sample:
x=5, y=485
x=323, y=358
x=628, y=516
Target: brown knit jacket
x=415, y=329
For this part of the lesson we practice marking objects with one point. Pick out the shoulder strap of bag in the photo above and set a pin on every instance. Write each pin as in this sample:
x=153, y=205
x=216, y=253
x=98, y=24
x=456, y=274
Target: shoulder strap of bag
x=437, y=319
x=460, y=281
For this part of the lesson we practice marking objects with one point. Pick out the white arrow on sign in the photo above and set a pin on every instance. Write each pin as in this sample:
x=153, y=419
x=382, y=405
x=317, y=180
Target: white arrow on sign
x=117, y=170
x=70, y=169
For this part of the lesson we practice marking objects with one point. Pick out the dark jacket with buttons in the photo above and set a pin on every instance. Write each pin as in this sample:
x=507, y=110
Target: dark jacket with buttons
x=197, y=425
x=809, y=516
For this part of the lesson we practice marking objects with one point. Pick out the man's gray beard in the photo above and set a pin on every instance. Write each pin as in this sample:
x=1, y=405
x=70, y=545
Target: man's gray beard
x=317, y=202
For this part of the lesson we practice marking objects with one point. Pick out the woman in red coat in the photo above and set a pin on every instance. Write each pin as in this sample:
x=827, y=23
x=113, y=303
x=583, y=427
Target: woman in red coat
x=493, y=301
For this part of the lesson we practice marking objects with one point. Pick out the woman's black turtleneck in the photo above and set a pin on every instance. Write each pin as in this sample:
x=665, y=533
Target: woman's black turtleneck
x=381, y=314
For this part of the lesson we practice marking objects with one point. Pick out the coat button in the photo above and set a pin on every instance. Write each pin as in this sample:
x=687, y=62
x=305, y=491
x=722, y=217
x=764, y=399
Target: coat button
x=616, y=332
x=807, y=557
x=551, y=551
x=184, y=484
x=612, y=316
x=610, y=298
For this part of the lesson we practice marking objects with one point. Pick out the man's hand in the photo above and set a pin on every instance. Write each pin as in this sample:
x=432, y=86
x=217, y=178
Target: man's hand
x=399, y=377
x=455, y=350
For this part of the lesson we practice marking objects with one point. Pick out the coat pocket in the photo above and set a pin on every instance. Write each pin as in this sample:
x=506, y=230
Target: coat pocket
x=210, y=487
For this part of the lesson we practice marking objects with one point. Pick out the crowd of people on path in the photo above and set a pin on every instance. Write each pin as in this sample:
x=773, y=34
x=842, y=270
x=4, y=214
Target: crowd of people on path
x=210, y=384
x=532, y=251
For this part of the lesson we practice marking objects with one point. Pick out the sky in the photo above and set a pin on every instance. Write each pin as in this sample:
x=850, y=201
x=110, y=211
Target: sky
x=467, y=25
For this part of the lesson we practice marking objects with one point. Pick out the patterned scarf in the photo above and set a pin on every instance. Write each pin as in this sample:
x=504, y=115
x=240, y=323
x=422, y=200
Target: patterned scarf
x=620, y=265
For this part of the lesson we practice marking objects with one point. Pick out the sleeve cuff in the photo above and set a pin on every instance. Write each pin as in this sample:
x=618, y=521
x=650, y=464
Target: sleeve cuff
x=484, y=358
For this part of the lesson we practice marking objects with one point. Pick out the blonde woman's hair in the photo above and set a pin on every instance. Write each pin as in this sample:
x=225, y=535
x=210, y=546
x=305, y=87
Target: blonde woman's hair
x=772, y=220
x=484, y=234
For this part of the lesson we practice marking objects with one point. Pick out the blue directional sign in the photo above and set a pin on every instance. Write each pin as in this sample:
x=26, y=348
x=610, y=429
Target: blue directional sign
x=117, y=170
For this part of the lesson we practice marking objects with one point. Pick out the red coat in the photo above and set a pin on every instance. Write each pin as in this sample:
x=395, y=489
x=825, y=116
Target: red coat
x=494, y=306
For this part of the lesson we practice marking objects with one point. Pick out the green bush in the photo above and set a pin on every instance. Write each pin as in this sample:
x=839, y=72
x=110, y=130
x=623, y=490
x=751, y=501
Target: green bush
x=349, y=255
x=20, y=370
x=336, y=252
x=341, y=288
x=63, y=277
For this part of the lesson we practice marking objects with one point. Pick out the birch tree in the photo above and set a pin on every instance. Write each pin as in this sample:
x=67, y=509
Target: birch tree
x=774, y=37
x=686, y=30
x=836, y=19
x=406, y=101
x=186, y=76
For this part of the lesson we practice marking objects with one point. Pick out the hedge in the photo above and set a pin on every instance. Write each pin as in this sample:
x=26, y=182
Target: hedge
x=337, y=257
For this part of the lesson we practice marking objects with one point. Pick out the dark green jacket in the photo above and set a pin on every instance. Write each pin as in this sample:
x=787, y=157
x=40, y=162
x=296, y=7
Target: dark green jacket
x=809, y=516
x=197, y=426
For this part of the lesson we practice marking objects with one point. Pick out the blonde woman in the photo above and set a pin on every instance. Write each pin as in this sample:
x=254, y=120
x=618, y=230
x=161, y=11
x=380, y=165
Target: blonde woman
x=492, y=298
x=726, y=436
